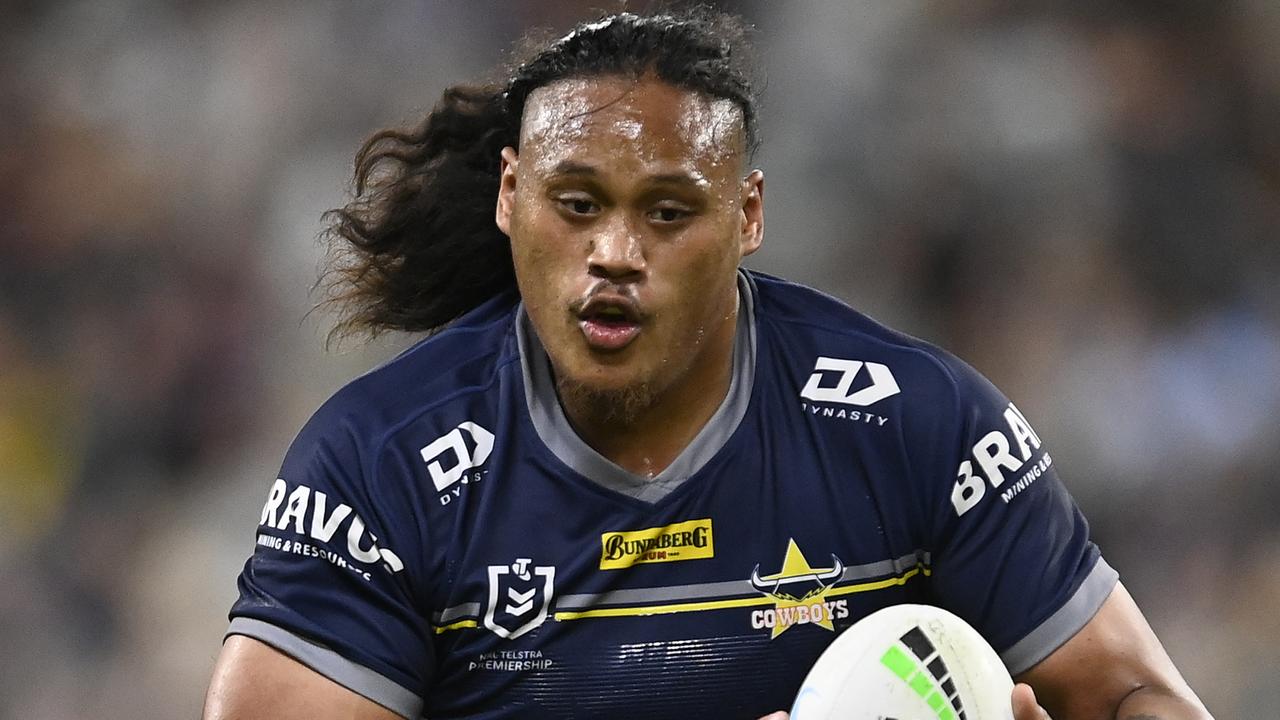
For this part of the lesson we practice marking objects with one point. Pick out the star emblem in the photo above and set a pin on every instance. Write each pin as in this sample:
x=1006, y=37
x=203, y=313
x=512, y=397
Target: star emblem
x=797, y=588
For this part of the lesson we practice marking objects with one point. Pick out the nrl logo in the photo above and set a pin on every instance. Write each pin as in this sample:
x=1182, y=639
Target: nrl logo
x=518, y=599
x=800, y=594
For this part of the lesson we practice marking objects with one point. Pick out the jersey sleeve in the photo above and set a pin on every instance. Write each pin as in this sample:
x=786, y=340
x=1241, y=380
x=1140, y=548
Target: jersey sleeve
x=327, y=583
x=1011, y=551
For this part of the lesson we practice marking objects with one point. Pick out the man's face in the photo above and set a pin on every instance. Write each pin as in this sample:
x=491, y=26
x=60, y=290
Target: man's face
x=628, y=217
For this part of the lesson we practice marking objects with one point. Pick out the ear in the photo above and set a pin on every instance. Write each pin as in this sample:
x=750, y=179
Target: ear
x=507, y=189
x=752, y=231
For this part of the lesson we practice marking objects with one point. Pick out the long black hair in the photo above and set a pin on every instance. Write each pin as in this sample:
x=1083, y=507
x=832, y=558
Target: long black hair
x=417, y=246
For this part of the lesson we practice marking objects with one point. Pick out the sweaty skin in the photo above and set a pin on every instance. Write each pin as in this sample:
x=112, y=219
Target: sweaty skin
x=628, y=216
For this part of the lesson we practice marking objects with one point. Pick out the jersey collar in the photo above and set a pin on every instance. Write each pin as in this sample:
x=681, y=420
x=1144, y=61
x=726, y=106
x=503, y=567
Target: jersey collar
x=558, y=435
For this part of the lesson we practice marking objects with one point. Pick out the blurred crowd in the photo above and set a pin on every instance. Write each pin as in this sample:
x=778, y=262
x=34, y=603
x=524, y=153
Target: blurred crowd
x=1080, y=198
x=1083, y=200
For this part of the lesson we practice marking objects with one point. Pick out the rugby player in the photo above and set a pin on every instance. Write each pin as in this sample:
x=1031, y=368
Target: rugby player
x=624, y=477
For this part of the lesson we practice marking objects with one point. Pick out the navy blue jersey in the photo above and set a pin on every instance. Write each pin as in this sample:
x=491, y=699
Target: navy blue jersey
x=442, y=542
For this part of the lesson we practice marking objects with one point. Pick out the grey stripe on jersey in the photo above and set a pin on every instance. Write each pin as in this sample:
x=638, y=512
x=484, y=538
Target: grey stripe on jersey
x=1065, y=623
x=354, y=677
x=457, y=612
x=886, y=567
x=630, y=596
x=705, y=591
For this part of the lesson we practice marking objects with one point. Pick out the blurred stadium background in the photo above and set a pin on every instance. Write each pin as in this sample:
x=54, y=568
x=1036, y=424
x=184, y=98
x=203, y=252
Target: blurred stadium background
x=1081, y=197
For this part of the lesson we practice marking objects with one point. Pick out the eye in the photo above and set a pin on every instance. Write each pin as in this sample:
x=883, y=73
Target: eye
x=667, y=214
x=578, y=205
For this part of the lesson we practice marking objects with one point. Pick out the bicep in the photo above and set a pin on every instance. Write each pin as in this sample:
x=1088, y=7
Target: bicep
x=1114, y=655
x=254, y=680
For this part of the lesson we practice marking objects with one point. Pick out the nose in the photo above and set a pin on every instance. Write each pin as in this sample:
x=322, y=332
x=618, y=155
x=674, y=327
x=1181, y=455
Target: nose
x=616, y=254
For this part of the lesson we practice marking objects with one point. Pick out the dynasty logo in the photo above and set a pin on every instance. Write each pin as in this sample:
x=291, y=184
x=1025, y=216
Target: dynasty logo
x=800, y=594
x=689, y=540
x=821, y=399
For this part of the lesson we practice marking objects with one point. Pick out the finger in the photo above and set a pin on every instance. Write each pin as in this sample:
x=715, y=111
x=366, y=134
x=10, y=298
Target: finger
x=1025, y=706
x=780, y=715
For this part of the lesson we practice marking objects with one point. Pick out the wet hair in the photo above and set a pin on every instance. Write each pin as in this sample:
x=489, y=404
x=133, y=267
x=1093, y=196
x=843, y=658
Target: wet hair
x=418, y=246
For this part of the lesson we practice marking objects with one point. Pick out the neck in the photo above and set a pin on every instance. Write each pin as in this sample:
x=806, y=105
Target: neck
x=647, y=437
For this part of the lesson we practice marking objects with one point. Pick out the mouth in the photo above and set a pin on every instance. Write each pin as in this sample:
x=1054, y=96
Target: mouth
x=609, y=323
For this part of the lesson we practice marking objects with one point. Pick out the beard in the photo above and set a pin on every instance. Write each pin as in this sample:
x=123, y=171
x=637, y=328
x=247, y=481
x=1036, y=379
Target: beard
x=612, y=406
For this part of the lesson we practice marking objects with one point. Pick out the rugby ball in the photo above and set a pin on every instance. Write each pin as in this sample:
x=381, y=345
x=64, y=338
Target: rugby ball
x=907, y=662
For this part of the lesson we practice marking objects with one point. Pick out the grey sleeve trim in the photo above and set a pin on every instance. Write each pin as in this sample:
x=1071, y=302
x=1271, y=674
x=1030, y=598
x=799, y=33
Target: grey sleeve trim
x=356, y=678
x=1065, y=623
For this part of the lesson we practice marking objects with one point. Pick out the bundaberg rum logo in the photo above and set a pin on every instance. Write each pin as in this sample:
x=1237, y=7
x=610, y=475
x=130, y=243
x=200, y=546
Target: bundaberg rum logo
x=689, y=540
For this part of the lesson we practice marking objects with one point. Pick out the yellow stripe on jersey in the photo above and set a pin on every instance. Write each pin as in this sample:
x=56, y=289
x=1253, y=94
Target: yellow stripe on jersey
x=642, y=610
x=456, y=626
x=663, y=609
x=880, y=584
x=740, y=602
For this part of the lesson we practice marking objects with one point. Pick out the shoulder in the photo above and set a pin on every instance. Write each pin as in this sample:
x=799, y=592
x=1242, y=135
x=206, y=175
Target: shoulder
x=846, y=356
x=450, y=373
x=914, y=409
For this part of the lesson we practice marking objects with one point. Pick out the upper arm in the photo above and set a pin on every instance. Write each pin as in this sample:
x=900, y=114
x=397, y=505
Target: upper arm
x=1012, y=555
x=336, y=578
x=1108, y=661
x=253, y=680
x=1011, y=551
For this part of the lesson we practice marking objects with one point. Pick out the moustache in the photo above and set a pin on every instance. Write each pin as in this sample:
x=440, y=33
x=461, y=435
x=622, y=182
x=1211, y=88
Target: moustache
x=605, y=294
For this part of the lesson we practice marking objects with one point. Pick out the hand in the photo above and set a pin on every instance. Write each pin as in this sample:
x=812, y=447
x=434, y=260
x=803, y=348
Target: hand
x=1025, y=706
x=780, y=715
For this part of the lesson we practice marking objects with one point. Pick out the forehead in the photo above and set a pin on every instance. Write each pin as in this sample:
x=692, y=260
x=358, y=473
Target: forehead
x=629, y=121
